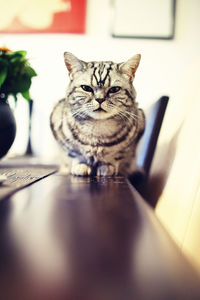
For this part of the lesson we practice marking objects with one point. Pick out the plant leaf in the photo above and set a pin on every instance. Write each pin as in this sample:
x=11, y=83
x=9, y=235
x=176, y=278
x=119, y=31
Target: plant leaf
x=3, y=74
x=15, y=74
x=26, y=95
x=21, y=52
x=31, y=72
x=22, y=84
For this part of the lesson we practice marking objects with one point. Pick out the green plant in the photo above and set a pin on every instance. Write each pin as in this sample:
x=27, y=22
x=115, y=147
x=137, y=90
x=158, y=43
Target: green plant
x=15, y=73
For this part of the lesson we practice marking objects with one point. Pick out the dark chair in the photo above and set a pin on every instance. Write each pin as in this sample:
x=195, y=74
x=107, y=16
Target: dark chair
x=147, y=145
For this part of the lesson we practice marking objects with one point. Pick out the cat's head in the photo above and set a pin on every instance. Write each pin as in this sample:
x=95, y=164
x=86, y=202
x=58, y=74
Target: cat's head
x=101, y=90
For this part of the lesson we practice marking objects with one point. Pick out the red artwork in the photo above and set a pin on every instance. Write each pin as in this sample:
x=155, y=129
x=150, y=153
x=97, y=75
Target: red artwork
x=43, y=16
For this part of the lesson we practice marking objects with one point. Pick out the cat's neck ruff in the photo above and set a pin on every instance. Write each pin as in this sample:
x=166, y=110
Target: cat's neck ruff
x=106, y=127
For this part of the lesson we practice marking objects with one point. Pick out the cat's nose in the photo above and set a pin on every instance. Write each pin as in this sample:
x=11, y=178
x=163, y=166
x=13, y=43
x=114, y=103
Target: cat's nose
x=100, y=100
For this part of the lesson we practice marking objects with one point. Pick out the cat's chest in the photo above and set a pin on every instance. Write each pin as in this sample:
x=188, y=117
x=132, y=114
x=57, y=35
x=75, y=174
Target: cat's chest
x=95, y=145
x=98, y=152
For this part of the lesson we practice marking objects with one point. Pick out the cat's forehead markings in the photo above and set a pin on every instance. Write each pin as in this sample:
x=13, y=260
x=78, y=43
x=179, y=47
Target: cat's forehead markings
x=100, y=76
x=116, y=81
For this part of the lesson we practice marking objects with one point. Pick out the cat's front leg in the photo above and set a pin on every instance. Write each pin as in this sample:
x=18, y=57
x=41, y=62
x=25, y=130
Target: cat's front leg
x=80, y=169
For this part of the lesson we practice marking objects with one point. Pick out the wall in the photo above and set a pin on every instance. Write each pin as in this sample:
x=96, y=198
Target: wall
x=161, y=71
x=174, y=181
x=176, y=168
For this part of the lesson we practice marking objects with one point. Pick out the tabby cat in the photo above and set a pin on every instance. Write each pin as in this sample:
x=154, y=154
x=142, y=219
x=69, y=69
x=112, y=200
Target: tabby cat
x=98, y=124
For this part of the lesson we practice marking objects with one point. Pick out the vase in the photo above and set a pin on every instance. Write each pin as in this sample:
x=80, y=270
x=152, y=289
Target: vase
x=7, y=126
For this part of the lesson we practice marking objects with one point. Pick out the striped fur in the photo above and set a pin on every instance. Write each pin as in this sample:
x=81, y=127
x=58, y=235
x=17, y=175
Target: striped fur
x=98, y=123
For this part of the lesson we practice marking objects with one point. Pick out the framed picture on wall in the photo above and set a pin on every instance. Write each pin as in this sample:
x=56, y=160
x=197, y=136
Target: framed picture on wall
x=154, y=19
x=42, y=16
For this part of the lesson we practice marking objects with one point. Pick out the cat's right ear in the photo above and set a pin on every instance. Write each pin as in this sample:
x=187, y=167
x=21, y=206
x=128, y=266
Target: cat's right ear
x=73, y=64
x=130, y=66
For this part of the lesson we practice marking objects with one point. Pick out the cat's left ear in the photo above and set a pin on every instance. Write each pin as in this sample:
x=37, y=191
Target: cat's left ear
x=130, y=66
x=73, y=64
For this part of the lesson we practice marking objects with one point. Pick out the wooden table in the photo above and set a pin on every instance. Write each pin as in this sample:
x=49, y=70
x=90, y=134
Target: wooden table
x=70, y=238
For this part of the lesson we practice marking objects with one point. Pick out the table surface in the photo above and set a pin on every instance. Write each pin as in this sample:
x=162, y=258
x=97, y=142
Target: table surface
x=13, y=178
x=77, y=238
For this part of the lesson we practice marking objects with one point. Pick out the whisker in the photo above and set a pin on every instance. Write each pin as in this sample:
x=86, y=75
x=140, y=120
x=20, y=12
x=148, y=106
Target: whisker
x=122, y=114
x=125, y=117
x=132, y=115
x=82, y=111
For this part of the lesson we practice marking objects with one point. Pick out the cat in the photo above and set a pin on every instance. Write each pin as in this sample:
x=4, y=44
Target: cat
x=98, y=124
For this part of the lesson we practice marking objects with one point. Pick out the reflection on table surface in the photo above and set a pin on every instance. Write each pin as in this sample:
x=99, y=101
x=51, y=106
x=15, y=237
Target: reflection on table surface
x=79, y=238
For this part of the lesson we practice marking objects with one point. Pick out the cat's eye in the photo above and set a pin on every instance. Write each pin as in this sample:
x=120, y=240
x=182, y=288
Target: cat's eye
x=114, y=89
x=87, y=88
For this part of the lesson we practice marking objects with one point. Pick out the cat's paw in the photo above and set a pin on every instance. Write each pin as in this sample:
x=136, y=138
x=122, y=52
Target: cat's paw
x=106, y=170
x=79, y=169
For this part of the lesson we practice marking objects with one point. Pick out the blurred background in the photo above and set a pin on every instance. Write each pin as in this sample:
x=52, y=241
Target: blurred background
x=168, y=66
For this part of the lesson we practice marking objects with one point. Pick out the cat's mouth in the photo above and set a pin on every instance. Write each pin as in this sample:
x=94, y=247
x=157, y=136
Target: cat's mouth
x=100, y=109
